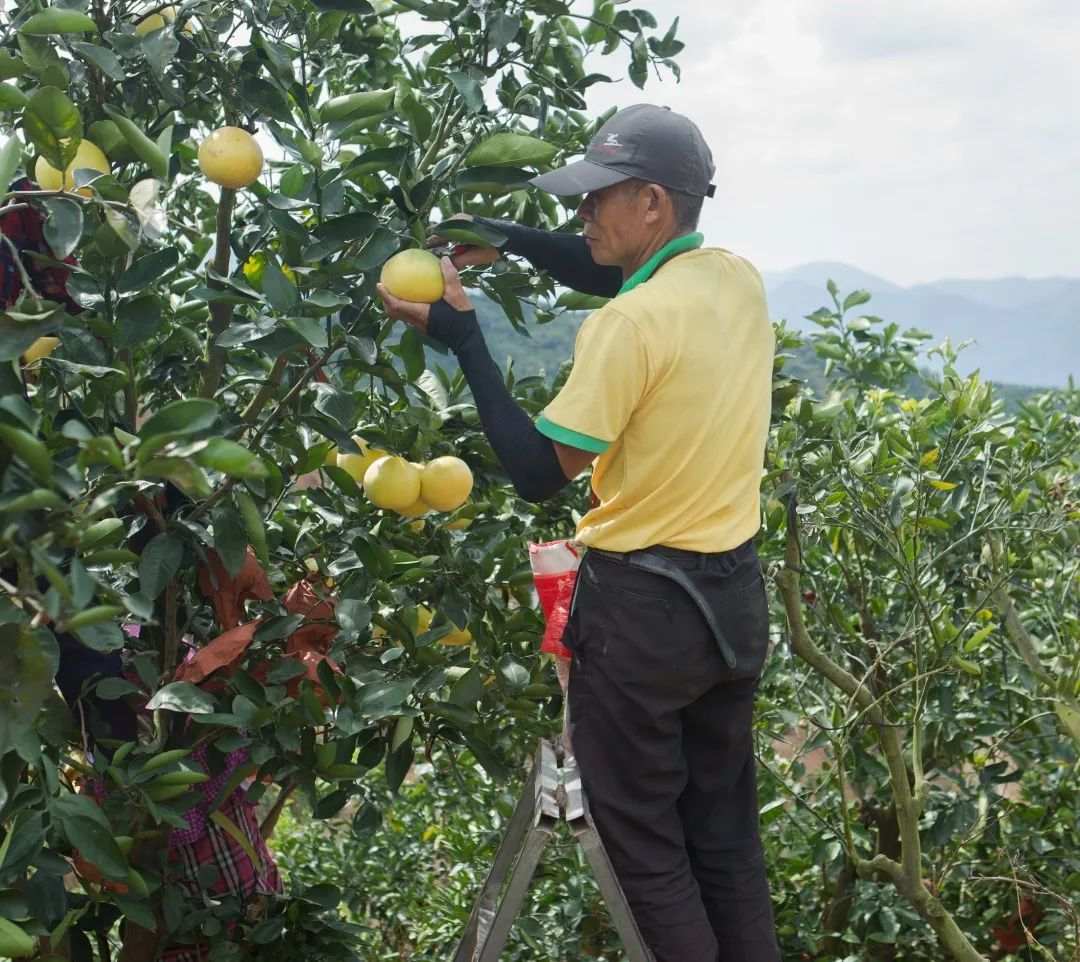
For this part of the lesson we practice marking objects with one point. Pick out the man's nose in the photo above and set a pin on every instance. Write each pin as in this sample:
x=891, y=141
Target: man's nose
x=585, y=209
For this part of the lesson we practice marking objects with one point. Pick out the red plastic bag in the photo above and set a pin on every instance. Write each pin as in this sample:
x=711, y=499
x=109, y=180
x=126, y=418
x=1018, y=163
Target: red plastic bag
x=555, y=567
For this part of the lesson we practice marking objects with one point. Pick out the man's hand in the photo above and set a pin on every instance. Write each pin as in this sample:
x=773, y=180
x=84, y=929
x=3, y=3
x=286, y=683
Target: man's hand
x=466, y=255
x=416, y=315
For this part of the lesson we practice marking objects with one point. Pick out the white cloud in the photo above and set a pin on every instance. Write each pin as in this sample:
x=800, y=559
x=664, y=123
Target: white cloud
x=915, y=139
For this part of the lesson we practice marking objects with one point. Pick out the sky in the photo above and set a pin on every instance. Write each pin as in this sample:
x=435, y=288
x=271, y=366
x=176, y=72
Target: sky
x=915, y=139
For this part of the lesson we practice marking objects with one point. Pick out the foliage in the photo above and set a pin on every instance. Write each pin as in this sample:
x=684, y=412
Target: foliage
x=413, y=884
x=219, y=343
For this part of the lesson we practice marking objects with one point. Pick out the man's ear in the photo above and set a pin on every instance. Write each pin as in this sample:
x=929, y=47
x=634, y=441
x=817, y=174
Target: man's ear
x=658, y=199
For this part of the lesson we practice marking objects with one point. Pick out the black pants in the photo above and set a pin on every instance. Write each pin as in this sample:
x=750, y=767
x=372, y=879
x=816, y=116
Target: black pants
x=661, y=727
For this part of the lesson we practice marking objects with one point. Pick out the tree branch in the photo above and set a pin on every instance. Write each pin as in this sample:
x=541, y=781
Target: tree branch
x=220, y=311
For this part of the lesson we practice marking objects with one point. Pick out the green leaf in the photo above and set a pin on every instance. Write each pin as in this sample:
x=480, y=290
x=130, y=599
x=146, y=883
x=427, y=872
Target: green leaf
x=253, y=523
x=147, y=270
x=418, y=116
x=97, y=846
x=28, y=663
x=855, y=298
x=10, y=66
x=512, y=672
x=310, y=329
x=182, y=696
x=383, y=698
x=470, y=232
x=382, y=244
x=501, y=29
x=54, y=125
x=282, y=626
x=346, y=6
x=351, y=106
x=105, y=60
x=181, y=417
x=639, y=61
x=511, y=150
x=279, y=290
x=57, y=20
x=105, y=637
x=230, y=539
x=10, y=157
x=411, y=350
x=232, y=459
x=138, y=320
x=144, y=148
x=64, y=226
x=493, y=180
x=470, y=88
x=11, y=98
x=111, y=689
x=159, y=563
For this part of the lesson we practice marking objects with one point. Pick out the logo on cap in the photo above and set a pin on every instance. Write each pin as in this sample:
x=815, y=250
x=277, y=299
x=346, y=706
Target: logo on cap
x=612, y=141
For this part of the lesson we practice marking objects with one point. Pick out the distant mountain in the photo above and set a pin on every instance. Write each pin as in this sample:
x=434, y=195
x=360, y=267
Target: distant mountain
x=1025, y=331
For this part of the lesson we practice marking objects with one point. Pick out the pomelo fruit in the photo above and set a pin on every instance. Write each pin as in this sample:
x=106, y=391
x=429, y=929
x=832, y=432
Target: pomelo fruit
x=231, y=157
x=357, y=464
x=155, y=21
x=414, y=275
x=392, y=483
x=88, y=155
x=42, y=347
x=446, y=483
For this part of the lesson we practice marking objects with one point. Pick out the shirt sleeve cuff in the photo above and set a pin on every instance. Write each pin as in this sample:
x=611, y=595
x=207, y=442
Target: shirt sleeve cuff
x=572, y=439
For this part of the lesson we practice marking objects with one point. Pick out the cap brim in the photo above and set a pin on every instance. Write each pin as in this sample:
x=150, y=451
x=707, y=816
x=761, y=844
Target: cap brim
x=580, y=177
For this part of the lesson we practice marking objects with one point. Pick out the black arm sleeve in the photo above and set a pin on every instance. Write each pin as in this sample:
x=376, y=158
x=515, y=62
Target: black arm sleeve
x=565, y=257
x=527, y=456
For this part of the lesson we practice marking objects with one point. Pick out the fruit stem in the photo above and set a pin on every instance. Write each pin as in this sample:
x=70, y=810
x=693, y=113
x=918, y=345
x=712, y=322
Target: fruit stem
x=220, y=311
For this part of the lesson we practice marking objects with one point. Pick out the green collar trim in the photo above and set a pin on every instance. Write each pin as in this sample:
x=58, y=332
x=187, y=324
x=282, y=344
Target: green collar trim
x=688, y=242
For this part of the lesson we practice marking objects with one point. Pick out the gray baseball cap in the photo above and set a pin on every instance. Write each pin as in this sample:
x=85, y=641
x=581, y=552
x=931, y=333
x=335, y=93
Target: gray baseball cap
x=654, y=144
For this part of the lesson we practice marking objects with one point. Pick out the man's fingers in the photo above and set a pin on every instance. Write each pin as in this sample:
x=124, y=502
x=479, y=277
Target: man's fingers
x=398, y=310
x=453, y=293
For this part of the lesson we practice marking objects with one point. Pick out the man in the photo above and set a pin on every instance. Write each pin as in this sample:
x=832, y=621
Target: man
x=669, y=395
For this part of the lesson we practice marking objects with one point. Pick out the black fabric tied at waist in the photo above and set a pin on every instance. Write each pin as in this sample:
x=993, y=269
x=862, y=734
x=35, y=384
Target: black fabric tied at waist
x=675, y=565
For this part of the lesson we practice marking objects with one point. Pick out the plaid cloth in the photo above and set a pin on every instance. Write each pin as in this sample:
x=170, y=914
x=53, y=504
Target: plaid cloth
x=196, y=816
x=25, y=228
x=238, y=876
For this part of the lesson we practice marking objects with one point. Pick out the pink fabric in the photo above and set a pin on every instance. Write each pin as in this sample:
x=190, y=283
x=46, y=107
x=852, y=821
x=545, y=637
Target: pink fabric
x=197, y=816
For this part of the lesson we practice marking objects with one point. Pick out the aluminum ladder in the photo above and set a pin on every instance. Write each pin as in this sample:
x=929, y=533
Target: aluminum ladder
x=552, y=794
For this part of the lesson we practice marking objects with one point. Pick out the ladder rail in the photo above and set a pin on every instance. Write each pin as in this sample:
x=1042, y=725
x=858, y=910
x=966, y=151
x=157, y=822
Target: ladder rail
x=553, y=793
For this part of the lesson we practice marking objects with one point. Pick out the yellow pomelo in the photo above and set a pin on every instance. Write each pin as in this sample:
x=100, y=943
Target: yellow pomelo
x=42, y=347
x=446, y=483
x=416, y=510
x=459, y=636
x=88, y=155
x=331, y=456
x=392, y=483
x=155, y=21
x=424, y=616
x=231, y=157
x=357, y=464
x=414, y=275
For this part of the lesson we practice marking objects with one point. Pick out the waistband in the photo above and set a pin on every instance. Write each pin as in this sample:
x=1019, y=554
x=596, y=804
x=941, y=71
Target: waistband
x=688, y=560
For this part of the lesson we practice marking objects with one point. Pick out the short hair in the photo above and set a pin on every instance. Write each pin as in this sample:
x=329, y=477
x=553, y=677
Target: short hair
x=686, y=207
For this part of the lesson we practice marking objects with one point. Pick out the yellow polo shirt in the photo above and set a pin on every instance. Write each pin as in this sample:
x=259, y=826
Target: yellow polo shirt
x=672, y=388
